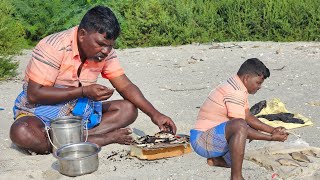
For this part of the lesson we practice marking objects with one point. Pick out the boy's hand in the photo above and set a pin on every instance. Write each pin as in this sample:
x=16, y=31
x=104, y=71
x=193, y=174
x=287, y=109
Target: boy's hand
x=279, y=136
x=279, y=129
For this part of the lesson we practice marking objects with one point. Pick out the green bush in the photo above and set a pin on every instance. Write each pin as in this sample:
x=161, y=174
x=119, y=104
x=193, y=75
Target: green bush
x=11, y=39
x=147, y=23
x=43, y=17
x=11, y=31
x=174, y=22
x=7, y=68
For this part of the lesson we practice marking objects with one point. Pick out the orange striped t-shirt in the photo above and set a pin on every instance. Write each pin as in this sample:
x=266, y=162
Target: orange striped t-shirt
x=229, y=100
x=55, y=61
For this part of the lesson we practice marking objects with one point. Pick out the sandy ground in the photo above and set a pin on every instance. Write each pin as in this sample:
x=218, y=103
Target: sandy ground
x=176, y=80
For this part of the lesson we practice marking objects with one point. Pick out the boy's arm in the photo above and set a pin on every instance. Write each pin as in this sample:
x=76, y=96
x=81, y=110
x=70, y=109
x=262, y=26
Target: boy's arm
x=255, y=123
x=256, y=135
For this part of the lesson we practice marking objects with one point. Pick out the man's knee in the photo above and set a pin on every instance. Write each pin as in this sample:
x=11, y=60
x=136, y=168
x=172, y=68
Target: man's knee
x=26, y=133
x=130, y=109
x=19, y=132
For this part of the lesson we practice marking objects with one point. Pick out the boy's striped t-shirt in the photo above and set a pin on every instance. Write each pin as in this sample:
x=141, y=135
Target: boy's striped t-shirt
x=229, y=100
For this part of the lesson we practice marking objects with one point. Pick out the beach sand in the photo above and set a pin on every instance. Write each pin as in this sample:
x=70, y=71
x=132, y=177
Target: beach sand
x=176, y=80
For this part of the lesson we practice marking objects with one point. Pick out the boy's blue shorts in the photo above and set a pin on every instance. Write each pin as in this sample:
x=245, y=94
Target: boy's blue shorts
x=211, y=143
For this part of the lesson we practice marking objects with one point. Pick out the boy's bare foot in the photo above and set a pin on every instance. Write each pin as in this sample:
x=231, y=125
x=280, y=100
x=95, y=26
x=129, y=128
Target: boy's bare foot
x=236, y=178
x=218, y=161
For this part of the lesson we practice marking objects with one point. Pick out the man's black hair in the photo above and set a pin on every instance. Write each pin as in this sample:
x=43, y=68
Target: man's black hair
x=101, y=19
x=254, y=66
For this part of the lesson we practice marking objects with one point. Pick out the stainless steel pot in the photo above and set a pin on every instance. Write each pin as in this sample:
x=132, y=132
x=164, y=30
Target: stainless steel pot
x=78, y=159
x=66, y=130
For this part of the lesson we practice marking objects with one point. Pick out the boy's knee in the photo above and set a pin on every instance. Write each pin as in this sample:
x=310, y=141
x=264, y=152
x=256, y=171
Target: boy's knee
x=239, y=126
x=239, y=123
x=242, y=126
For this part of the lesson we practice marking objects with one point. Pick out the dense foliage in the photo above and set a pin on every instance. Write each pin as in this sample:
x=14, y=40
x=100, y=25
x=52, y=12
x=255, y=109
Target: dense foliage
x=166, y=22
x=43, y=17
x=174, y=22
x=11, y=39
x=7, y=68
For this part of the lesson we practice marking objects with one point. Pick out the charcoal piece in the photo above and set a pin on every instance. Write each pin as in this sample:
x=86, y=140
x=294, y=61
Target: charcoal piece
x=284, y=117
x=150, y=139
x=255, y=109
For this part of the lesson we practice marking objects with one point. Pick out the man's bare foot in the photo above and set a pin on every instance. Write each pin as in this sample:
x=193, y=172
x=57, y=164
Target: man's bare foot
x=120, y=136
x=218, y=161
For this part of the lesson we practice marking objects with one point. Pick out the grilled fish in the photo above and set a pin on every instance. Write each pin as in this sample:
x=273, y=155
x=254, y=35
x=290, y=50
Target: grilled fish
x=300, y=157
x=309, y=153
x=288, y=162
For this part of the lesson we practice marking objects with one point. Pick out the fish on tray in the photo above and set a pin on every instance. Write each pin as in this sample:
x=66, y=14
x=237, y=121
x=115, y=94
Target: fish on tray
x=161, y=137
x=288, y=162
x=299, y=157
x=311, y=153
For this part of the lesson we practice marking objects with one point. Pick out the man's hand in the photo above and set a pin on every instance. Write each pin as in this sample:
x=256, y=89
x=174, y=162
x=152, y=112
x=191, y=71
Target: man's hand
x=164, y=123
x=279, y=136
x=97, y=92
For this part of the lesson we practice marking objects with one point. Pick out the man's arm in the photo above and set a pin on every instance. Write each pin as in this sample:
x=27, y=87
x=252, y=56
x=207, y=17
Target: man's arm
x=132, y=93
x=39, y=94
x=255, y=123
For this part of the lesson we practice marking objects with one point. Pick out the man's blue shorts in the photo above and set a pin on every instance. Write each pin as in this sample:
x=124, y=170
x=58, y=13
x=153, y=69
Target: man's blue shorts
x=90, y=111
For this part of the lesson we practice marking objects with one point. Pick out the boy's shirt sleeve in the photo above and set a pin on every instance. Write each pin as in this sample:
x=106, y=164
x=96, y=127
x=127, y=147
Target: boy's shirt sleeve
x=236, y=103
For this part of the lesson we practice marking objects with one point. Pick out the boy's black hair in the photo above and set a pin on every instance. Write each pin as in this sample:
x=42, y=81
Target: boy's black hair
x=254, y=66
x=101, y=19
